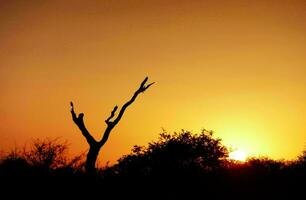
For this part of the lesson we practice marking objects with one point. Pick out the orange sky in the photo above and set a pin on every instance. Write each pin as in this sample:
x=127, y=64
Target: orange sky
x=237, y=67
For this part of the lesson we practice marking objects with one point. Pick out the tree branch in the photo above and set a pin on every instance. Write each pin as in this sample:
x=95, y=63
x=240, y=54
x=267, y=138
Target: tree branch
x=111, y=125
x=79, y=121
x=142, y=88
x=107, y=121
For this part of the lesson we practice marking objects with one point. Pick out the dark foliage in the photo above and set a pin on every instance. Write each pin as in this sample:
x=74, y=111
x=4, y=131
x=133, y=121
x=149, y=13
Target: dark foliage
x=48, y=154
x=43, y=156
x=180, y=154
x=178, y=166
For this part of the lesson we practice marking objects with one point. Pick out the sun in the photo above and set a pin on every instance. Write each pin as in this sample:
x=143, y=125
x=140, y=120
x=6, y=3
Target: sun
x=238, y=155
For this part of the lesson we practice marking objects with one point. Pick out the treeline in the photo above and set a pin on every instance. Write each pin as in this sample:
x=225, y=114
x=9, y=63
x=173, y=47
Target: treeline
x=179, y=165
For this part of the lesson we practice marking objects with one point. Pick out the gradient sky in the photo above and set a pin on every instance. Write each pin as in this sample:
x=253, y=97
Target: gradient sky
x=236, y=67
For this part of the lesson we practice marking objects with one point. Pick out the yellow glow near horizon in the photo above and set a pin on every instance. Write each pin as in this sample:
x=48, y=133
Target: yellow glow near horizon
x=238, y=155
x=236, y=67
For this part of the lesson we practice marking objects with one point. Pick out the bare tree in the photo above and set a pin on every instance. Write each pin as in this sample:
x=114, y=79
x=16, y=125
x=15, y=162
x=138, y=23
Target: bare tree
x=94, y=145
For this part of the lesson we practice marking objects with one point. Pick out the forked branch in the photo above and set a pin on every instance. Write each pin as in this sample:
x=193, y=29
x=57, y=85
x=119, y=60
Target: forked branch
x=142, y=88
x=111, y=122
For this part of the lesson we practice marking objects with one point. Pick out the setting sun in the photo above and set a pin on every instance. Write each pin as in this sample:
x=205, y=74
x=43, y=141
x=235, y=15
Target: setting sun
x=238, y=155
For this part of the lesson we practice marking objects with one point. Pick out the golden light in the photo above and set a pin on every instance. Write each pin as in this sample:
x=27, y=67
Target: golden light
x=238, y=155
x=254, y=64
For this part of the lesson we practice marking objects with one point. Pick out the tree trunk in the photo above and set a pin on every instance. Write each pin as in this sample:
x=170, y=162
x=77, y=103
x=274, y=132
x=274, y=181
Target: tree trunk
x=92, y=155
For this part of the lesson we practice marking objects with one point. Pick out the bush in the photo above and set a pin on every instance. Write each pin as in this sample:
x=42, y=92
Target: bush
x=14, y=164
x=47, y=154
x=43, y=155
x=176, y=154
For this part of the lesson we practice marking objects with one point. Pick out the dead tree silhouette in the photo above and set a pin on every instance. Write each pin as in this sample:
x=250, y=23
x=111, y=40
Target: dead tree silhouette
x=94, y=145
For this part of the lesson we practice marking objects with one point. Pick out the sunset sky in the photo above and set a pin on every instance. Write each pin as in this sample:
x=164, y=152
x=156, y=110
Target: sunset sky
x=235, y=67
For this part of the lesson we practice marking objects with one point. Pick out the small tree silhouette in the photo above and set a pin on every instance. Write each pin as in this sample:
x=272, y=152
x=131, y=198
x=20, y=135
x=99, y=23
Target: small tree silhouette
x=42, y=156
x=47, y=154
x=175, y=155
x=94, y=145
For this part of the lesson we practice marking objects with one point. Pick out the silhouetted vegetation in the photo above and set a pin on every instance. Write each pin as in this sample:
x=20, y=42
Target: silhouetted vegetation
x=177, y=166
x=180, y=154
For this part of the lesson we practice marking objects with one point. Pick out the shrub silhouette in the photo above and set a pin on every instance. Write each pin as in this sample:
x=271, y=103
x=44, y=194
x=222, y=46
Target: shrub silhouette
x=176, y=166
x=172, y=155
x=47, y=154
x=302, y=158
x=43, y=155
x=14, y=164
